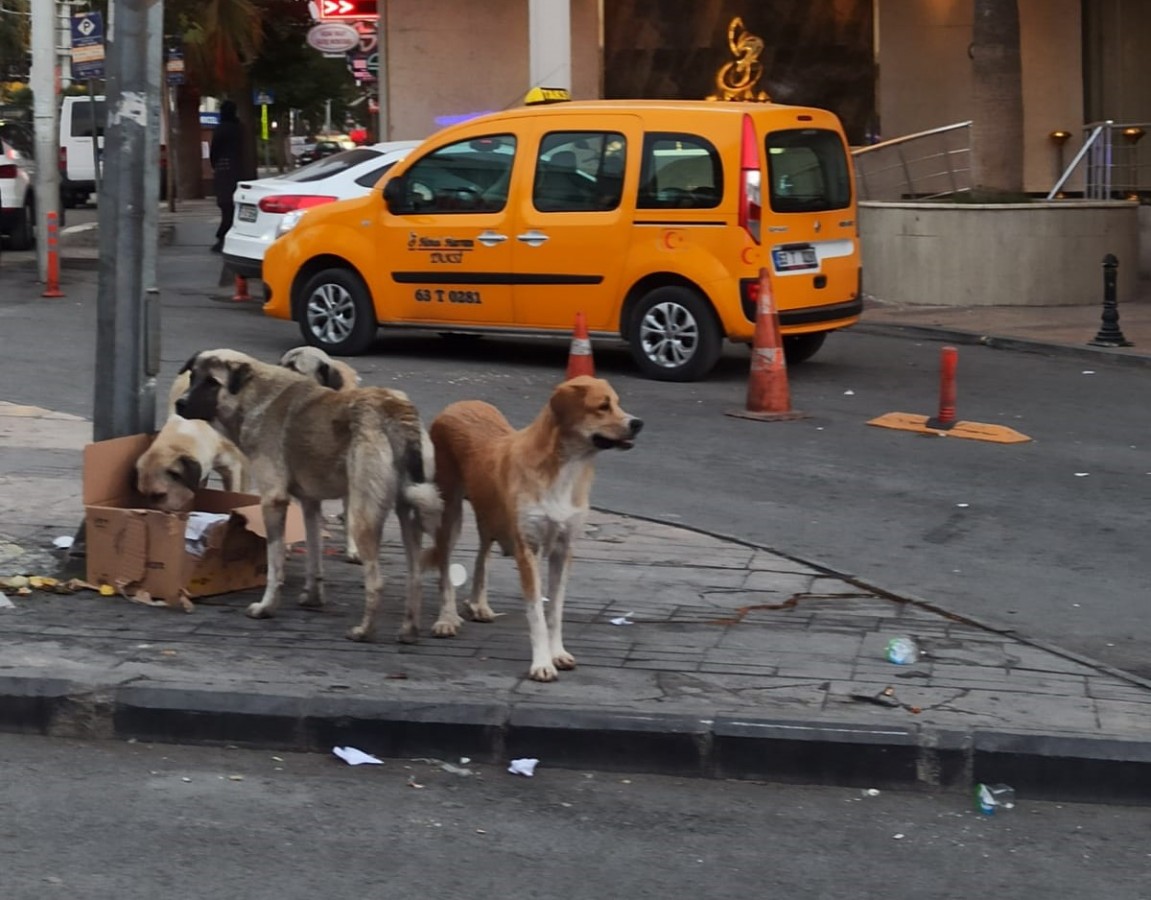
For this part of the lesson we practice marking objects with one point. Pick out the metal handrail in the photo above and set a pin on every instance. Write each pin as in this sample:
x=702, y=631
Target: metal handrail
x=905, y=183
x=903, y=139
x=1087, y=145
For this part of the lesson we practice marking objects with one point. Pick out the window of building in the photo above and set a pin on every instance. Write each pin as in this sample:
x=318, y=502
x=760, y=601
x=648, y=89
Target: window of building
x=680, y=171
x=579, y=171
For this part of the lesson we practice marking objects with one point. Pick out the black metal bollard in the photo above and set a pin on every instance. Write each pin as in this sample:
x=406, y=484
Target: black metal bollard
x=1109, y=333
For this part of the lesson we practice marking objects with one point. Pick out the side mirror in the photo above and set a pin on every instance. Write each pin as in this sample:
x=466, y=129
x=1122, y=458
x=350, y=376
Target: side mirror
x=395, y=195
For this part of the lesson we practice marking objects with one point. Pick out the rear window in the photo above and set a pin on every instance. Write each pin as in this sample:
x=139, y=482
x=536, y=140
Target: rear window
x=82, y=118
x=331, y=165
x=680, y=171
x=807, y=171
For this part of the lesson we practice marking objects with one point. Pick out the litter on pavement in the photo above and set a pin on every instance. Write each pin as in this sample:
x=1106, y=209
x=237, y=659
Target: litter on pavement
x=354, y=757
x=525, y=767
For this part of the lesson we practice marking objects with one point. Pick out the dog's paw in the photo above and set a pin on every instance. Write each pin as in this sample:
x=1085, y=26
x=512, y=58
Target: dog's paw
x=353, y=556
x=543, y=673
x=447, y=626
x=311, y=601
x=359, y=633
x=480, y=612
x=257, y=610
x=408, y=635
x=564, y=661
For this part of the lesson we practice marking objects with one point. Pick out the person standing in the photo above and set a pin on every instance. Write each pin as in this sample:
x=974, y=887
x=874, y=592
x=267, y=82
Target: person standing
x=226, y=154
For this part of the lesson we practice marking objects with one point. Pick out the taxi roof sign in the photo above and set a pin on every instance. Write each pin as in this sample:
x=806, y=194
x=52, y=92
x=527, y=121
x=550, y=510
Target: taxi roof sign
x=546, y=95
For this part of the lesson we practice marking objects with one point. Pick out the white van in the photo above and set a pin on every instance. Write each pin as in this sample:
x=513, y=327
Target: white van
x=79, y=117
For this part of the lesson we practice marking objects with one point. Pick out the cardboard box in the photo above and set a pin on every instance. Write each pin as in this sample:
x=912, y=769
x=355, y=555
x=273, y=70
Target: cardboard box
x=131, y=546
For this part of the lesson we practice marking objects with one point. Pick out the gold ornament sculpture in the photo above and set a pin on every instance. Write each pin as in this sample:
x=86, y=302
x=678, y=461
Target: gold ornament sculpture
x=736, y=80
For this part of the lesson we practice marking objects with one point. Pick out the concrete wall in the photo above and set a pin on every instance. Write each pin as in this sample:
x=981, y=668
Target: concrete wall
x=456, y=57
x=1028, y=254
x=925, y=74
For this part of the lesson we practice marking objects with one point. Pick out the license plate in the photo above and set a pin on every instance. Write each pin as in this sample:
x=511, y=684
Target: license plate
x=795, y=257
x=246, y=212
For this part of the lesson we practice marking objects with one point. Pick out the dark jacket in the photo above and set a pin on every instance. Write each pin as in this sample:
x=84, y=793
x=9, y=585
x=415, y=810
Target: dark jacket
x=226, y=153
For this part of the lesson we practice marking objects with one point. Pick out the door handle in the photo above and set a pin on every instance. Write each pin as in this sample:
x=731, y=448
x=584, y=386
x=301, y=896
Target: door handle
x=532, y=238
x=491, y=238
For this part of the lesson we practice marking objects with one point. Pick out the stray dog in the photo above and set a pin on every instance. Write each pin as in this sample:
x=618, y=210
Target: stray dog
x=529, y=491
x=314, y=444
x=339, y=376
x=315, y=363
x=183, y=455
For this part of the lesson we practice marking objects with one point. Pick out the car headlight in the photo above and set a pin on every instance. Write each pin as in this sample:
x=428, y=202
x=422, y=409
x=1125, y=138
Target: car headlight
x=289, y=221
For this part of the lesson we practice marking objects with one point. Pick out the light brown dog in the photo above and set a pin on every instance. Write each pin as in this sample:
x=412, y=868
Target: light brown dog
x=314, y=444
x=339, y=376
x=529, y=491
x=183, y=456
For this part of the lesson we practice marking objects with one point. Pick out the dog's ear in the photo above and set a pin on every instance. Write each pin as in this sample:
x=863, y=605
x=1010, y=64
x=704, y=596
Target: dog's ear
x=187, y=367
x=238, y=376
x=330, y=377
x=188, y=472
x=567, y=402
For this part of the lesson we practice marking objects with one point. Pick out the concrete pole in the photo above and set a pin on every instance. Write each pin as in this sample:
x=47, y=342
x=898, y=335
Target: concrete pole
x=550, y=47
x=127, y=302
x=45, y=118
x=385, y=129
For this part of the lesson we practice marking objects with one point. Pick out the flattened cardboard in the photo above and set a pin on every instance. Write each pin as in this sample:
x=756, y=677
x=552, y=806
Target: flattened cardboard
x=143, y=549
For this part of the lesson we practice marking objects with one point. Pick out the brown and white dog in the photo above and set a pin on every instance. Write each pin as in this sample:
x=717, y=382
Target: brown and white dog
x=529, y=490
x=313, y=444
x=183, y=456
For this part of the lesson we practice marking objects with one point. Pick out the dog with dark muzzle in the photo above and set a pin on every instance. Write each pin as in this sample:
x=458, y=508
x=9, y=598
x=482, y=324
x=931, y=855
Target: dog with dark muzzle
x=310, y=443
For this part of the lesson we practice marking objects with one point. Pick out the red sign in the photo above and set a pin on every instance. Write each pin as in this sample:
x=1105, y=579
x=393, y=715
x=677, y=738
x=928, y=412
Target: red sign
x=337, y=10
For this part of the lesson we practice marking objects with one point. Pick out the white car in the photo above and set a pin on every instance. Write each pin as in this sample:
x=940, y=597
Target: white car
x=267, y=208
x=17, y=198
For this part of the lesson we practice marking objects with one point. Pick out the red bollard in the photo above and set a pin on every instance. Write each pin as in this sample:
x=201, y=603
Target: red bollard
x=52, y=287
x=948, y=359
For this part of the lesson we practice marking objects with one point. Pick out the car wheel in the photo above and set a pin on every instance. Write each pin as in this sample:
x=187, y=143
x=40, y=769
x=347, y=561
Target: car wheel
x=799, y=348
x=336, y=314
x=675, y=335
x=22, y=234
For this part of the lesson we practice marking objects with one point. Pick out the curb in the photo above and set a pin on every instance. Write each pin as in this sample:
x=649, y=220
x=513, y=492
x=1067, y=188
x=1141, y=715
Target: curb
x=1042, y=767
x=1001, y=342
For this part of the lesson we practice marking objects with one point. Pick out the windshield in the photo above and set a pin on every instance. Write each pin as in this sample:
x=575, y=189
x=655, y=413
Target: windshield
x=331, y=165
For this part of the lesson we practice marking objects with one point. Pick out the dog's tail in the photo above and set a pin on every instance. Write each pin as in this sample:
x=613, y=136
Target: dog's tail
x=413, y=448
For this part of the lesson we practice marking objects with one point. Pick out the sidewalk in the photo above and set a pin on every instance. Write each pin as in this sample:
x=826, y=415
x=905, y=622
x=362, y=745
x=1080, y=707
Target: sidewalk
x=734, y=661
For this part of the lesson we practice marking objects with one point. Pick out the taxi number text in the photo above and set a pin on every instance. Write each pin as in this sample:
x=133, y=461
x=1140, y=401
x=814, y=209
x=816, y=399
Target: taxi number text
x=427, y=295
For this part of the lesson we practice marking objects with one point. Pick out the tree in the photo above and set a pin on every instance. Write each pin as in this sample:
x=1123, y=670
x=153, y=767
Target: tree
x=219, y=39
x=15, y=28
x=997, y=101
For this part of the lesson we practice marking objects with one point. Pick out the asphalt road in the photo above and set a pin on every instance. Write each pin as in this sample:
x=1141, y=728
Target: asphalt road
x=97, y=821
x=1047, y=537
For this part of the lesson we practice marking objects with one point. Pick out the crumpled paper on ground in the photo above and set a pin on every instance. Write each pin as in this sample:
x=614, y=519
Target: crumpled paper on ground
x=197, y=527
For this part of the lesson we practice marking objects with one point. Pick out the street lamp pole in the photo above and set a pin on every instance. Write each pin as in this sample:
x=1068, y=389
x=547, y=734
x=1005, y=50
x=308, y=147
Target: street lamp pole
x=127, y=301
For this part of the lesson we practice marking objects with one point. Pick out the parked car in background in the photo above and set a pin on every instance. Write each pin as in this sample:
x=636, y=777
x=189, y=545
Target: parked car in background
x=17, y=197
x=267, y=208
x=325, y=145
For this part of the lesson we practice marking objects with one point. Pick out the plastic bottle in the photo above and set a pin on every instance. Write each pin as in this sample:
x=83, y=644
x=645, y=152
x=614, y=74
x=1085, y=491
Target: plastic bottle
x=902, y=651
x=990, y=797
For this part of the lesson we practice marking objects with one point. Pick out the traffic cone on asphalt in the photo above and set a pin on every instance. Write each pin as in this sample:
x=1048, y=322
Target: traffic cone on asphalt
x=768, y=397
x=579, y=358
x=241, y=289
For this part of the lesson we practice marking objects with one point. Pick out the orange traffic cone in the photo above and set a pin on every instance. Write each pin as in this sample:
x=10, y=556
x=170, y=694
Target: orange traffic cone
x=241, y=289
x=52, y=285
x=768, y=397
x=579, y=359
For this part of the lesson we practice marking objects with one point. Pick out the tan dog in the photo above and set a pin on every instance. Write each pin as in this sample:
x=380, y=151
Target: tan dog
x=339, y=376
x=181, y=458
x=315, y=363
x=529, y=491
x=314, y=444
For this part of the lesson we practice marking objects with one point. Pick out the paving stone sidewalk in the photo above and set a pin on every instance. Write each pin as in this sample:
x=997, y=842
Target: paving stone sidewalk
x=731, y=660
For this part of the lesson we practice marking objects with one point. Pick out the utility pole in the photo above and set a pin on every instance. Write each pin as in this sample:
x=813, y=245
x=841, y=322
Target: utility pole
x=127, y=301
x=45, y=119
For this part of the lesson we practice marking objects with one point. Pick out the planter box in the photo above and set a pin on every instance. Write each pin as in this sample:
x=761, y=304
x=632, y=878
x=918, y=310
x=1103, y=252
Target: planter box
x=1046, y=253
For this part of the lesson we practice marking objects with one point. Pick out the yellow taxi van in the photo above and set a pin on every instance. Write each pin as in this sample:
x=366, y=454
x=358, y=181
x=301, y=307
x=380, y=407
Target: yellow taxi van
x=653, y=218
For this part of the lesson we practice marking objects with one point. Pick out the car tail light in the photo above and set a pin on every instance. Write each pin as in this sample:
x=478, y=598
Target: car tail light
x=7, y=171
x=63, y=159
x=750, y=203
x=286, y=203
